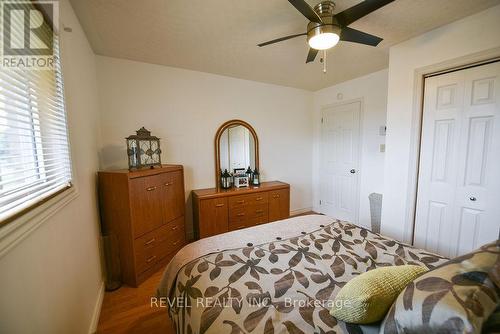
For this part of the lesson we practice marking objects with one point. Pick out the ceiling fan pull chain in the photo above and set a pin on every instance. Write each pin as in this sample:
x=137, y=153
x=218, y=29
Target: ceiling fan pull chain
x=324, y=61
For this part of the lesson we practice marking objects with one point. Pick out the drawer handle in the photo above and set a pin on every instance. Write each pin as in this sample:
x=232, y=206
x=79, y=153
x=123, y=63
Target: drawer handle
x=241, y=202
x=259, y=198
x=219, y=205
x=174, y=228
x=168, y=184
x=150, y=188
x=175, y=243
x=259, y=211
x=147, y=243
x=240, y=214
x=276, y=196
x=151, y=259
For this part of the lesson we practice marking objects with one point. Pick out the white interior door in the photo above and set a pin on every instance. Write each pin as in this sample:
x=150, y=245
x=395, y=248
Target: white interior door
x=458, y=200
x=339, y=174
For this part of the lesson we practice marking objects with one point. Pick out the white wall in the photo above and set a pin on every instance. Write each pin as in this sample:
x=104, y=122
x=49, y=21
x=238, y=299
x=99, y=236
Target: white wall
x=470, y=35
x=185, y=108
x=50, y=281
x=372, y=89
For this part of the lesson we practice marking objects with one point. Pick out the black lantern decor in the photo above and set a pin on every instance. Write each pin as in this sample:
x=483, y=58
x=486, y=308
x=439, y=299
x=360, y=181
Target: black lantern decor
x=143, y=150
x=256, y=178
x=225, y=179
x=249, y=174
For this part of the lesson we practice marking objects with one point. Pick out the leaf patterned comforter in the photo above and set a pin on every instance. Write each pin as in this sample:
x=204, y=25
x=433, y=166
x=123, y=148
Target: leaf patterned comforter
x=281, y=286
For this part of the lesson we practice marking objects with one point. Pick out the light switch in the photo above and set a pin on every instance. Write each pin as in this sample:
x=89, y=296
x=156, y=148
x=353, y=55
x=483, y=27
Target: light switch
x=382, y=148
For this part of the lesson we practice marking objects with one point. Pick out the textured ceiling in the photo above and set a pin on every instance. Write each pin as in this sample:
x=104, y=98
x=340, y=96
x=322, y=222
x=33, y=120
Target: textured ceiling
x=220, y=36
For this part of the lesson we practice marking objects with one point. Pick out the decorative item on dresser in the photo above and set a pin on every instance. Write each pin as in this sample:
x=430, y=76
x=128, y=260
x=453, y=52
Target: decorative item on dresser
x=218, y=210
x=145, y=210
x=143, y=150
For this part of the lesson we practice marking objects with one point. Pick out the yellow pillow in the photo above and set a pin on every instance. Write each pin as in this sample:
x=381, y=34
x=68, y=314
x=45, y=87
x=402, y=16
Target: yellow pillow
x=368, y=297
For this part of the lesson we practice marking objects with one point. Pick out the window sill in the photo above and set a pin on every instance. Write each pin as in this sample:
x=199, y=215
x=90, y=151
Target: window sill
x=17, y=230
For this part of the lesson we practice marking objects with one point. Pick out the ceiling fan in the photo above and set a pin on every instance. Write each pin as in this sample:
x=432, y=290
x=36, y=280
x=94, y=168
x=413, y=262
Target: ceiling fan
x=325, y=29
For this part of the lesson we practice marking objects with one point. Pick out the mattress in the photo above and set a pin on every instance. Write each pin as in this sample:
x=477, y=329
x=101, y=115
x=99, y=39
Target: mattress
x=280, y=277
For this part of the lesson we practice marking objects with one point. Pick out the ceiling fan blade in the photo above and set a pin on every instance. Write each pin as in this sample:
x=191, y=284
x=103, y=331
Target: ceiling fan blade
x=306, y=10
x=352, y=35
x=311, y=55
x=354, y=13
x=281, y=39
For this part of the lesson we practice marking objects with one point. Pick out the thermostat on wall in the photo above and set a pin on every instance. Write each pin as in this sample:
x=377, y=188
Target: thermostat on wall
x=383, y=130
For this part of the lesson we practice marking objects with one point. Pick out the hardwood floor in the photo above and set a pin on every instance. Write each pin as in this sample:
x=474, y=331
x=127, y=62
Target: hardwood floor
x=128, y=310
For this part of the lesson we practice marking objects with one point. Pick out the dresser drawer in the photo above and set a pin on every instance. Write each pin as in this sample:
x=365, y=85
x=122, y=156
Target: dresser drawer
x=237, y=214
x=233, y=226
x=260, y=198
x=245, y=200
x=248, y=222
x=237, y=201
x=172, y=237
x=155, y=245
x=258, y=220
x=238, y=219
x=248, y=216
x=146, y=250
x=257, y=211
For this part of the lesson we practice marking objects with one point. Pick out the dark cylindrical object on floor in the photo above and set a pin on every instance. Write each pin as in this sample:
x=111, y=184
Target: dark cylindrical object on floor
x=112, y=258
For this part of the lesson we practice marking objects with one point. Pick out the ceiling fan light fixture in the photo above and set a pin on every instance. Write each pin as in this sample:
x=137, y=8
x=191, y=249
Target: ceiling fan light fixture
x=323, y=36
x=324, y=41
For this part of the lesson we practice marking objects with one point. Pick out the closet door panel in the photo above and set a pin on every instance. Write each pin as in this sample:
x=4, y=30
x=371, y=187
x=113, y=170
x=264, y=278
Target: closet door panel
x=459, y=178
x=438, y=161
x=477, y=209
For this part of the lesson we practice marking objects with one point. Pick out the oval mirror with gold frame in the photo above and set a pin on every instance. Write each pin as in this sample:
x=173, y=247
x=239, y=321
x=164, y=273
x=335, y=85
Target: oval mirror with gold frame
x=236, y=147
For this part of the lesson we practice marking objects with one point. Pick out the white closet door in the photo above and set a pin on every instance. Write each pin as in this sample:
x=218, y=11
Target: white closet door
x=477, y=210
x=459, y=178
x=339, y=161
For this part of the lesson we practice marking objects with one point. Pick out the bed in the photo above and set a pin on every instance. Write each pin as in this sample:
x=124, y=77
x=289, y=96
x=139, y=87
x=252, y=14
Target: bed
x=276, y=278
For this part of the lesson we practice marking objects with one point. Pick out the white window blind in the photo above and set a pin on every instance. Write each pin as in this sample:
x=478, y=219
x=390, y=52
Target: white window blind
x=34, y=150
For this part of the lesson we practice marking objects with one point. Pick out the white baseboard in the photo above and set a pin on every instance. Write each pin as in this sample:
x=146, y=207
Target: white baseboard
x=97, y=309
x=299, y=211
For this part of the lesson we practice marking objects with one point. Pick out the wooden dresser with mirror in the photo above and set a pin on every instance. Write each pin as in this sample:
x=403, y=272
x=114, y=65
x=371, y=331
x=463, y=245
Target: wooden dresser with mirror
x=145, y=211
x=218, y=210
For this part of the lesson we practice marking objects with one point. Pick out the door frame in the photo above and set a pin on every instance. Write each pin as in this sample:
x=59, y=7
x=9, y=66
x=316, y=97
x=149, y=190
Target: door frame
x=475, y=59
x=359, y=155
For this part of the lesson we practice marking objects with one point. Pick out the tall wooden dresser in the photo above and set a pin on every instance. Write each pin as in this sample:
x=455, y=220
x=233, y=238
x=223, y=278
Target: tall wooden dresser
x=145, y=211
x=217, y=211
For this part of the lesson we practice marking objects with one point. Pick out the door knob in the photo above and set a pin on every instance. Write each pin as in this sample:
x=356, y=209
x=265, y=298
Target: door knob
x=473, y=199
x=353, y=171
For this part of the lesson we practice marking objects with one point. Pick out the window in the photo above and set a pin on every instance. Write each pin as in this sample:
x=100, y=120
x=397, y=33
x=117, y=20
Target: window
x=34, y=150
